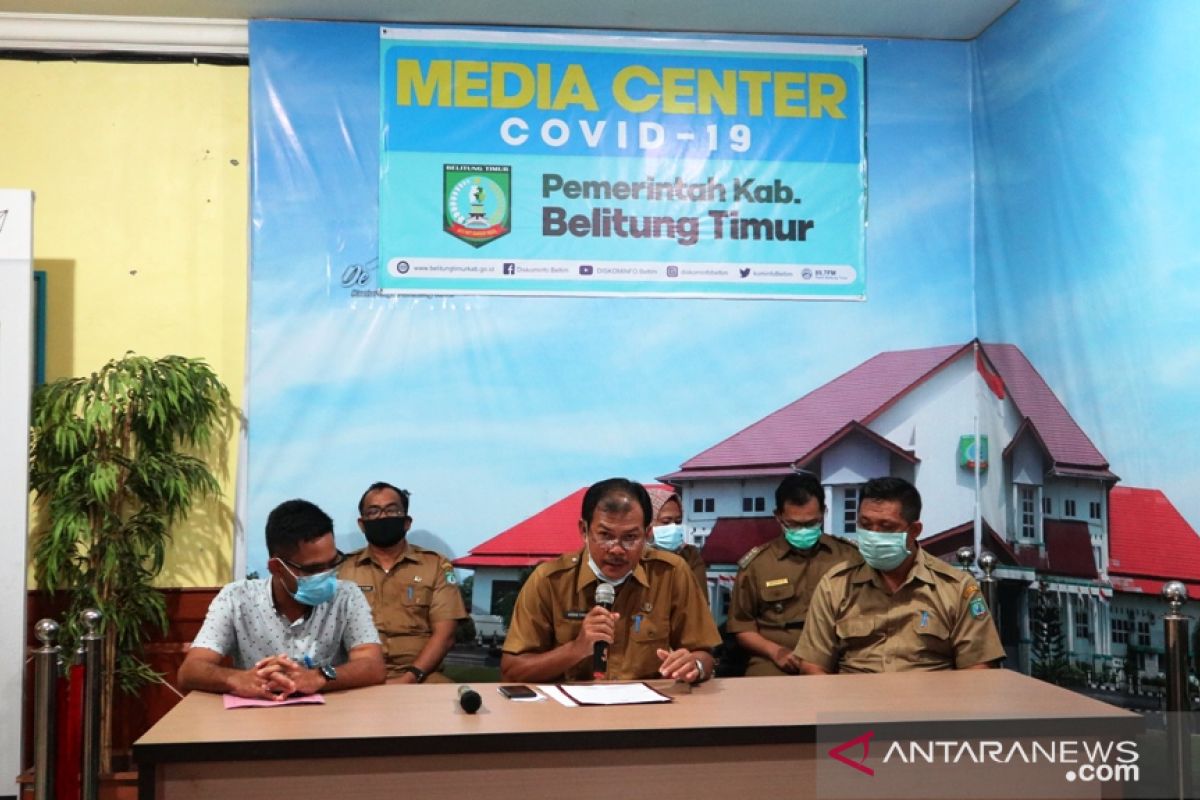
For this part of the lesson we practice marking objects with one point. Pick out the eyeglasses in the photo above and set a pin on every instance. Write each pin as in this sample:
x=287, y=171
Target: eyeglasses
x=379, y=512
x=314, y=569
x=627, y=542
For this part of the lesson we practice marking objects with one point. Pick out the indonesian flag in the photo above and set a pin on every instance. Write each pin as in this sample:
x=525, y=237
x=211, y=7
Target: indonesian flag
x=990, y=376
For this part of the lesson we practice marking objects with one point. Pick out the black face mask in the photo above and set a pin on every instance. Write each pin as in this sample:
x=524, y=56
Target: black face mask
x=385, y=531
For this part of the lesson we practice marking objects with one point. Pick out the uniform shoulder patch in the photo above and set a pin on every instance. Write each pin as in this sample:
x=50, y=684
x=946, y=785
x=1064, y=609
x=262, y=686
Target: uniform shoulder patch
x=451, y=575
x=978, y=607
x=752, y=554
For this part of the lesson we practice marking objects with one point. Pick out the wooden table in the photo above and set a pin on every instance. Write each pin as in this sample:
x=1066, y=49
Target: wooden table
x=738, y=738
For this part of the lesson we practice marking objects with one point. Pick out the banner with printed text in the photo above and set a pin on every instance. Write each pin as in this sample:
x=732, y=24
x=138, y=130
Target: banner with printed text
x=562, y=164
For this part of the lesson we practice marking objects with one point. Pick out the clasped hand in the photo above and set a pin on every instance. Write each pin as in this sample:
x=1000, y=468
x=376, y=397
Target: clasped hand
x=276, y=678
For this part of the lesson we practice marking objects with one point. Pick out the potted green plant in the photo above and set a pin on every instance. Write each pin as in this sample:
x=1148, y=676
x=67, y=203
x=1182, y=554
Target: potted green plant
x=114, y=463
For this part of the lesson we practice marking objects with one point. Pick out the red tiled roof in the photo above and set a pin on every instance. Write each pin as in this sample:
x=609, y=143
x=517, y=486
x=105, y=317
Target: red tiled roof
x=1068, y=445
x=732, y=538
x=1151, y=587
x=793, y=433
x=779, y=470
x=547, y=534
x=945, y=544
x=1148, y=537
x=475, y=562
x=1069, y=549
x=789, y=434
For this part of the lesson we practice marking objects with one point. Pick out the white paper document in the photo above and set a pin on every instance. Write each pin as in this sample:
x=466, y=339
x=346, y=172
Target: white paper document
x=612, y=694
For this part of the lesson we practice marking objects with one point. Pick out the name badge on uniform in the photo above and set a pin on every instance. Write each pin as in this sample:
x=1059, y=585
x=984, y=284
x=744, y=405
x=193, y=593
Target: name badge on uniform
x=366, y=588
x=924, y=619
x=576, y=614
x=637, y=623
x=776, y=582
x=410, y=593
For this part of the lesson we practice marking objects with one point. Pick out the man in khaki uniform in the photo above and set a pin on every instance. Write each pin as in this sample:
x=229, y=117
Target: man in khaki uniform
x=775, y=580
x=902, y=609
x=413, y=592
x=660, y=625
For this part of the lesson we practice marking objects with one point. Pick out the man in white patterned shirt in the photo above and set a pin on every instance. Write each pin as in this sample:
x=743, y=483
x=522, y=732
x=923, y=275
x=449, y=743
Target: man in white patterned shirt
x=297, y=631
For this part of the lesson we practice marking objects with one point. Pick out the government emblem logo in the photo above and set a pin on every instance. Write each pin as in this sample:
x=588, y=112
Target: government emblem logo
x=477, y=207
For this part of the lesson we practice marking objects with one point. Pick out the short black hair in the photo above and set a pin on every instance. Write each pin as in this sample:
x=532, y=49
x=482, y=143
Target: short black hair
x=292, y=522
x=799, y=488
x=605, y=494
x=375, y=487
x=889, y=488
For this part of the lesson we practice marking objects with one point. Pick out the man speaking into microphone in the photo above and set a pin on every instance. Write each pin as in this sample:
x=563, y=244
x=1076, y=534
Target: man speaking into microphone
x=657, y=624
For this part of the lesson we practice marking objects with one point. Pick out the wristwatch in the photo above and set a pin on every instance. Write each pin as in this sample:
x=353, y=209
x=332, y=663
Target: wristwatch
x=329, y=672
x=415, y=670
x=700, y=670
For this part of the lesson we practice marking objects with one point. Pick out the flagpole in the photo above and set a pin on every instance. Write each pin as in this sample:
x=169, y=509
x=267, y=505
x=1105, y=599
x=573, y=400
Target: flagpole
x=978, y=522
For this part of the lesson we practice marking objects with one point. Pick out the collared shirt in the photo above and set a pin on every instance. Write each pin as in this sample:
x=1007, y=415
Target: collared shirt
x=659, y=603
x=242, y=622
x=773, y=588
x=419, y=590
x=936, y=620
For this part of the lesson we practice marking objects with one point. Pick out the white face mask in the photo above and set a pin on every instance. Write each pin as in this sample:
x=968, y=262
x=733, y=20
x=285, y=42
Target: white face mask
x=668, y=537
x=601, y=576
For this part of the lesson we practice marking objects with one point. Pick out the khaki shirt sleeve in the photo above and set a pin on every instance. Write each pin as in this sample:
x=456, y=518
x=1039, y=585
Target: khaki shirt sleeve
x=532, y=627
x=818, y=643
x=692, y=626
x=447, y=603
x=742, y=604
x=974, y=635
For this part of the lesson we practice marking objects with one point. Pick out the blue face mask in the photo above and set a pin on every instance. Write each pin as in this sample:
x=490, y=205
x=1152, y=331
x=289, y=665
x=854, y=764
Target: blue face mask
x=883, y=550
x=802, y=538
x=313, y=590
x=668, y=537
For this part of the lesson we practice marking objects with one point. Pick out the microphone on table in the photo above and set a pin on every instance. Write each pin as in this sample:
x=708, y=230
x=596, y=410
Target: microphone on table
x=605, y=596
x=469, y=699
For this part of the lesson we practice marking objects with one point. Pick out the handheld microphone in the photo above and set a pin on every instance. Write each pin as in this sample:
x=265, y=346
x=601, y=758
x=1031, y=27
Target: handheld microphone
x=605, y=596
x=469, y=699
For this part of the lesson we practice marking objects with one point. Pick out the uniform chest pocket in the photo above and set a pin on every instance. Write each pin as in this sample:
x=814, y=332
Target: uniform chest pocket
x=416, y=594
x=643, y=628
x=934, y=637
x=778, y=593
x=856, y=628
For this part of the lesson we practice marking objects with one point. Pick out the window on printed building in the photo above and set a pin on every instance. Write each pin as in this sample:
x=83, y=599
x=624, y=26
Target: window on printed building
x=1028, y=517
x=1120, y=631
x=850, y=510
x=1068, y=508
x=1082, y=627
x=703, y=505
x=1093, y=510
x=754, y=504
x=1143, y=634
x=1047, y=504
